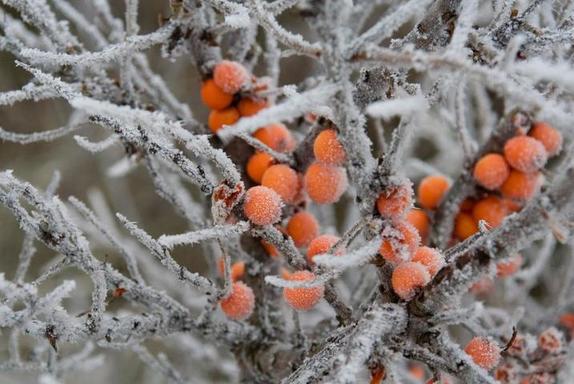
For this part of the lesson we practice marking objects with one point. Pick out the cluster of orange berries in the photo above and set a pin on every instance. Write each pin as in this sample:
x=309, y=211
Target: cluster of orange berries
x=414, y=264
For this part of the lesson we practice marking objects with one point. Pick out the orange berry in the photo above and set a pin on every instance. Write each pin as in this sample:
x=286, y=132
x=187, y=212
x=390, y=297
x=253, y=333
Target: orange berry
x=400, y=242
x=491, y=171
x=525, y=154
x=482, y=286
x=270, y=248
x=567, y=321
x=282, y=180
x=520, y=185
x=549, y=136
x=484, y=352
x=213, y=96
x=465, y=226
x=321, y=244
x=257, y=165
x=262, y=205
x=276, y=136
x=240, y=302
x=490, y=209
x=303, y=299
x=303, y=228
x=431, y=258
x=431, y=191
x=218, y=118
x=249, y=106
x=409, y=277
x=230, y=76
x=377, y=375
x=325, y=183
x=328, y=149
x=550, y=340
x=509, y=266
x=394, y=201
x=237, y=269
x=417, y=372
x=419, y=219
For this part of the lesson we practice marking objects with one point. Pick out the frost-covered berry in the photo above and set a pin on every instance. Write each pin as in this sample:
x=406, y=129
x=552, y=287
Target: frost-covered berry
x=431, y=190
x=431, y=258
x=237, y=269
x=409, y=277
x=525, y=154
x=395, y=201
x=276, y=136
x=550, y=340
x=399, y=242
x=303, y=228
x=491, y=209
x=520, y=185
x=328, y=149
x=218, y=118
x=322, y=244
x=283, y=180
x=257, y=164
x=213, y=96
x=509, y=266
x=377, y=375
x=483, y=351
x=240, y=302
x=262, y=205
x=419, y=219
x=465, y=226
x=303, y=299
x=491, y=170
x=248, y=106
x=482, y=286
x=230, y=76
x=549, y=136
x=506, y=373
x=325, y=183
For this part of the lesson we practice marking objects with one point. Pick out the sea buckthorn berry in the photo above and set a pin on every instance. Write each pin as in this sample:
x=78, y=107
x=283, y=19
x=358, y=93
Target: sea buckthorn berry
x=525, y=154
x=484, y=352
x=262, y=205
x=328, y=149
x=218, y=118
x=303, y=228
x=282, y=180
x=520, y=185
x=325, y=183
x=417, y=372
x=567, y=321
x=431, y=258
x=482, y=287
x=230, y=76
x=270, y=248
x=237, y=269
x=431, y=191
x=550, y=340
x=213, y=96
x=276, y=136
x=399, y=243
x=509, y=266
x=303, y=299
x=240, y=302
x=491, y=170
x=322, y=244
x=257, y=164
x=490, y=209
x=506, y=373
x=465, y=226
x=377, y=375
x=394, y=202
x=409, y=277
x=419, y=219
x=549, y=136
x=251, y=106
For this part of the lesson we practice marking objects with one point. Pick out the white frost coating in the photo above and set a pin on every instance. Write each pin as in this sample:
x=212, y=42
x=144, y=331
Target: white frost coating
x=405, y=106
x=350, y=259
x=238, y=20
x=215, y=232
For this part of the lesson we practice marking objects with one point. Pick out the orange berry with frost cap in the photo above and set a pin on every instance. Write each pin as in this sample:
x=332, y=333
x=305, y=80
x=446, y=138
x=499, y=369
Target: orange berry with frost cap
x=218, y=118
x=283, y=180
x=303, y=299
x=419, y=219
x=431, y=258
x=550, y=340
x=276, y=136
x=484, y=352
x=432, y=190
x=322, y=244
x=257, y=164
x=520, y=185
x=491, y=170
x=408, y=278
x=491, y=209
x=237, y=269
x=213, y=96
x=399, y=242
x=465, y=226
x=549, y=136
x=509, y=266
x=248, y=106
x=325, y=183
x=525, y=154
x=394, y=201
x=240, y=302
x=262, y=205
x=303, y=228
x=230, y=76
x=328, y=149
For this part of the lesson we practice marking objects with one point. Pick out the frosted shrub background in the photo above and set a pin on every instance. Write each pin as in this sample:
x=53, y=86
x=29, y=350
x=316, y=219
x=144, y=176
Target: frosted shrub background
x=118, y=203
